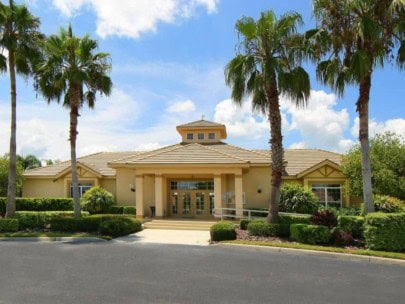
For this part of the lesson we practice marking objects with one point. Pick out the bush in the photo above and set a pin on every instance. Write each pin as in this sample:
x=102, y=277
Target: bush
x=223, y=231
x=310, y=234
x=122, y=210
x=39, y=219
x=8, y=225
x=341, y=237
x=83, y=224
x=324, y=218
x=385, y=231
x=259, y=214
x=352, y=224
x=388, y=204
x=262, y=228
x=342, y=210
x=296, y=199
x=97, y=200
x=244, y=223
x=120, y=226
x=285, y=220
x=39, y=204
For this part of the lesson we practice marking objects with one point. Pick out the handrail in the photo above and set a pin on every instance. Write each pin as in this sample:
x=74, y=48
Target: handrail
x=233, y=214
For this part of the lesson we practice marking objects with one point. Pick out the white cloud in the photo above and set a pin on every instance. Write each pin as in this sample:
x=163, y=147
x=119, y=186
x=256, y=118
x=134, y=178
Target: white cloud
x=240, y=121
x=319, y=124
x=132, y=18
x=181, y=107
x=396, y=125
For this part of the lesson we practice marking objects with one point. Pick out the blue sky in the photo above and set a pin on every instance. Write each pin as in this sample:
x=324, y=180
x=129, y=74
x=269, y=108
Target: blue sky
x=168, y=58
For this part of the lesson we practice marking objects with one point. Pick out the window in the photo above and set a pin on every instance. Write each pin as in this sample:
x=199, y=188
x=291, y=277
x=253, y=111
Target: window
x=200, y=136
x=190, y=136
x=82, y=189
x=192, y=185
x=329, y=195
x=211, y=135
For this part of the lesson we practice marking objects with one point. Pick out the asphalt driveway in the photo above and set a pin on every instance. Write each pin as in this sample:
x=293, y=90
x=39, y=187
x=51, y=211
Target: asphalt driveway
x=120, y=272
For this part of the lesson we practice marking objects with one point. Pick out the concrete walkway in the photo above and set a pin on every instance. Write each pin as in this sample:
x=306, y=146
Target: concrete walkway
x=160, y=236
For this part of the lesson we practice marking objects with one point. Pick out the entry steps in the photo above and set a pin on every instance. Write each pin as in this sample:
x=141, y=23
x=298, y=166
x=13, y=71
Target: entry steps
x=179, y=224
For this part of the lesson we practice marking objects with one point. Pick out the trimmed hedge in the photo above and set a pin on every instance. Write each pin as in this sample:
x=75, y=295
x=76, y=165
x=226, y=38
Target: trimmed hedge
x=8, y=225
x=84, y=224
x=262, y=228
x=385, y=231
x=352, y=224
x=122, y=210
x=39, y=219
x=223, y=231
x=310, y=234
x=39, y=204
x=286, y=220
x=121, y=226
x=244, y=223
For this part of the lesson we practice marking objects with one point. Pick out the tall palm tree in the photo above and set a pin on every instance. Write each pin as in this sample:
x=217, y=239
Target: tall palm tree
x=73, y=71
x=357, y=37
x=20, y=36
x=266, y=66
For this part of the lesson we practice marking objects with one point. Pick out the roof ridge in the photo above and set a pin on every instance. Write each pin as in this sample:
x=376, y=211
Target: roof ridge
x=126, y=157
x=160, y=151
x=232, y=156
x=252, y=151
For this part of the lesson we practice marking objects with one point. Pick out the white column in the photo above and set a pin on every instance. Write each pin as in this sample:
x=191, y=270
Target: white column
x=217, y=193
x=159, y=195
x=238, y=195
x=139, y=196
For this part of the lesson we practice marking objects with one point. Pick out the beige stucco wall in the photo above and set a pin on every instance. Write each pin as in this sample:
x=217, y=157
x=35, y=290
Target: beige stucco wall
x=124, y=179
x=110, y=185
x=255, y=178
x=43, y=188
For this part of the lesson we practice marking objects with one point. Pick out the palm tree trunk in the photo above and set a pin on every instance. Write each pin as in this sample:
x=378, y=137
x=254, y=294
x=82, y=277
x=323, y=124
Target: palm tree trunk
x=74, y=113
x=362, y=108
x=11, y=188
x=277, y=152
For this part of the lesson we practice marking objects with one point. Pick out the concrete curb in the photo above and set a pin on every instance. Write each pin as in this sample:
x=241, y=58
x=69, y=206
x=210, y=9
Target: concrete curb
x=53, y=239
x=353, y=257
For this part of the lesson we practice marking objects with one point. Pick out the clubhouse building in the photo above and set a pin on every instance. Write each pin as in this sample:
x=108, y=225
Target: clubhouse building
x=192, y=178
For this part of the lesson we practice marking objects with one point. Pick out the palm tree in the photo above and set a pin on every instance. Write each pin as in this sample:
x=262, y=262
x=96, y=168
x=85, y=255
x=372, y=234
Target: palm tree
x=20, y=36
x=73, y=71
x=266, y=66
x=357, y=37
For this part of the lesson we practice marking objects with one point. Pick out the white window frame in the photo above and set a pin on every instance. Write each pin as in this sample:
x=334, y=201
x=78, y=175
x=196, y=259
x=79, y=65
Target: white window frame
x=83, y=187
x=325, y=188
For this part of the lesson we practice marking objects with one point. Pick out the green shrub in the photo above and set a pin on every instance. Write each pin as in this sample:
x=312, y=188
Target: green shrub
x=296, y=199
x=262, y=228
x=223, y=231
x=388, y=204
x=8, y=225
x=120, y=226
x=122, y=210
x=352, y=224
x=39, y=204
x=285, y=220
x=385, y=231
x=244, y=223
x=83, y=224
x=310, y=234
x=342, y=210
x=97, y=200
x=39, y=219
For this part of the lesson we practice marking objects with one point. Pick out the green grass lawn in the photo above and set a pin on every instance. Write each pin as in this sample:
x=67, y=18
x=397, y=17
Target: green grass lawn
x=383, y=254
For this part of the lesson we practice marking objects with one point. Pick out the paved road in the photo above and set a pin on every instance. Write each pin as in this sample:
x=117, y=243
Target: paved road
x=118, y=272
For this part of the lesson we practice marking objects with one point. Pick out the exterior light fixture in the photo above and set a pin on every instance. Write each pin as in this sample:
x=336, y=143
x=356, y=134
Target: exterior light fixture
x=132, y=187
x=259, y=188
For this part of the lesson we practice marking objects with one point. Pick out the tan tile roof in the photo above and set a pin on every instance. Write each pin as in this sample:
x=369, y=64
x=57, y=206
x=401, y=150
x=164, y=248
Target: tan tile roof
x=196, y=153
x=200, y=123
x=299, y=160
x=97, y=162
